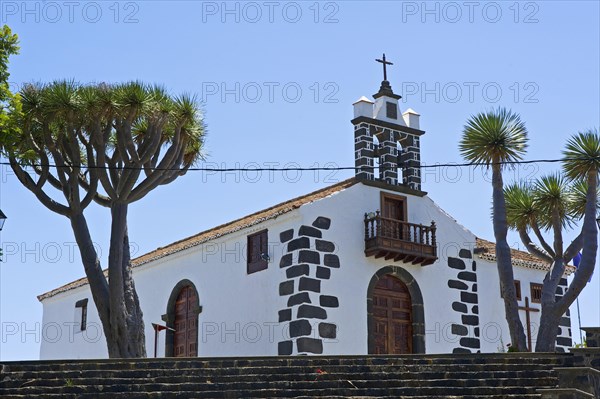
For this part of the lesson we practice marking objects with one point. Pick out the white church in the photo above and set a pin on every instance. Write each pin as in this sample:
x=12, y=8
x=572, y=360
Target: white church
x=370, y=265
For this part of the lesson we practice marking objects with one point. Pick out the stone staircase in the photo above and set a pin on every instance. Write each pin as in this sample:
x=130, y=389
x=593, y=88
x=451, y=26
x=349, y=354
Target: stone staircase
x=512, y=375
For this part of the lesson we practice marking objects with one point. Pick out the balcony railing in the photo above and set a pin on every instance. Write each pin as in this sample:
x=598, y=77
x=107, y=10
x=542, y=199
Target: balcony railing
x=400, y=240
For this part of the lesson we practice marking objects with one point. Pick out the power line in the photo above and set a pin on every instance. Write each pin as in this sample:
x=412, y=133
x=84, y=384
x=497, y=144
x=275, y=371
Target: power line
x=318, y=168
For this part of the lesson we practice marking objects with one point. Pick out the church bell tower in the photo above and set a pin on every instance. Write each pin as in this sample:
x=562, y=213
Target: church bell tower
x=386, y=138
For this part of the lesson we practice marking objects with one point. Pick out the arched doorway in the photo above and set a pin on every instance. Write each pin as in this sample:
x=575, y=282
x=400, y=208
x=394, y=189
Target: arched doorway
x=395, y=314
x=182, y=316
x=392, y=317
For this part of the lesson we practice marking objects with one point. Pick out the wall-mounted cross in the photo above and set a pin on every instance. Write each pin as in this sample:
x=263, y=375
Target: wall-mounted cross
x=385, y=64
x=527, y=310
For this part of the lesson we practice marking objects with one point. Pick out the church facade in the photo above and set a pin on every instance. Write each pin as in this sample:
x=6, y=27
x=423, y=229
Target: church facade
x=370, y=265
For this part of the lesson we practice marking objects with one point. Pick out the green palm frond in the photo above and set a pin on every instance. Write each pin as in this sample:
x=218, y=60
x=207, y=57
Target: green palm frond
x=578, y=198
x=132, y=99
x=495, y=136
x=61, y=100
x=31, y=99
x=582, y=154
x=521, y=210
x=186, y=108
x=551, y=196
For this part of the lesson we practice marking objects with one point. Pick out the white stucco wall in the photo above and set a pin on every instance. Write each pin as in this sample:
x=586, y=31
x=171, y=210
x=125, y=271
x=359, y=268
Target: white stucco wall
x=240, y=312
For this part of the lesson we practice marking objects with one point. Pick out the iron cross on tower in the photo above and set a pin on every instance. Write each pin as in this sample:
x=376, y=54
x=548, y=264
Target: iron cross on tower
x=385, y=64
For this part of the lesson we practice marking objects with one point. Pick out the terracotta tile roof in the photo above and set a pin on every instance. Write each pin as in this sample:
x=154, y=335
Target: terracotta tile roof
x=219, y=231
x=487, y=250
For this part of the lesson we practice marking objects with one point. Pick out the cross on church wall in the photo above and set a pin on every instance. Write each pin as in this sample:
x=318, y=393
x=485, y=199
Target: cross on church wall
x=528, y=311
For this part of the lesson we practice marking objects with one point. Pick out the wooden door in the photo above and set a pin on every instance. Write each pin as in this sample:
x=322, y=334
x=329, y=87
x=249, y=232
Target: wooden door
x=186, y=324
x=392, y=317
x=393, y=207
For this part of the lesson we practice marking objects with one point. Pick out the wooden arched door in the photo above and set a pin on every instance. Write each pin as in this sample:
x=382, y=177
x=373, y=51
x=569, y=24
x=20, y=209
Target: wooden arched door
x=392, y=317
x=186, y=323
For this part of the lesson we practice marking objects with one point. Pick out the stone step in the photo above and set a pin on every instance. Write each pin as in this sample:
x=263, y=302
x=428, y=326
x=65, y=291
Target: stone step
x=284, y=390
x=409, y=372
x=586, y=379
x=194, y=395
x=117, y=384
x=537, y=359
x=61, y=367
x=419, y=376
x=190, y=375
x=565, y=393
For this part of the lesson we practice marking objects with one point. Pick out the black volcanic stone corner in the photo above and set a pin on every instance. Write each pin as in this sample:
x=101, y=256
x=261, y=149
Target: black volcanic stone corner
x=323, y=272
x=474, y=266
x=310, y=345
x=327, y=330
x=299, y=270
x=468, y=297
x=322, y=223
x=456, y=263
x=309, y=231
x=287, y=235
x=331, y=261
x=475, y=309
x=460, y=351
x=459, y=307
x=459, y=285
x=300, y=328
x=470, y=343
x=297, y=299
x=457, y=329
x=298, y=243
x=286, y=260
x=285, y=348
x=309, y=284
x=467, y=276
x=306, y=256
x=285, y=315
x=324, y=246
x=311, y=312
x=329, y=301
x=464, y=253
x=470, y=320
x=286, y=288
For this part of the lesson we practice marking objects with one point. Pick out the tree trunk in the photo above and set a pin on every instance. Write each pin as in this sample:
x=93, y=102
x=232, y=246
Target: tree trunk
x=503, y=257
x=548, y=329
x=126, y=324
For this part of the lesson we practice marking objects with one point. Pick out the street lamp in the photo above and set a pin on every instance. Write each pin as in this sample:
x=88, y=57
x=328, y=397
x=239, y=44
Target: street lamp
x=2, y=219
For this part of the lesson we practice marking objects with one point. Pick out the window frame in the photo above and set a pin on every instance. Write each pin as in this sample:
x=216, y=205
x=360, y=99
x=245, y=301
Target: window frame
x=533, y=287
x=518, y=291
x=254, y=265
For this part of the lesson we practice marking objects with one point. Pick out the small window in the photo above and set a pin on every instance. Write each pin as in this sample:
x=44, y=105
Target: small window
x=536, y=293
x=517, y=290
x=258, y=254
x=81, y=313
x=391, y=110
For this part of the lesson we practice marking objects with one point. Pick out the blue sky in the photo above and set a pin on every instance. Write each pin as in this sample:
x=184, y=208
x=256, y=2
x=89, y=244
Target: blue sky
x=277, y=80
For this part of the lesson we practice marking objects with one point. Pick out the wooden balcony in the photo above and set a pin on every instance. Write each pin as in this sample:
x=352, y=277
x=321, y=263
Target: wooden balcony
x=400, y=240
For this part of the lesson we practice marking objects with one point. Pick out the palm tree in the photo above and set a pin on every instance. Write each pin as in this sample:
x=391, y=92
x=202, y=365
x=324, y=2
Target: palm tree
x=113, y=145
x=548, y=204
x=493, y=139
x=582, y=162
